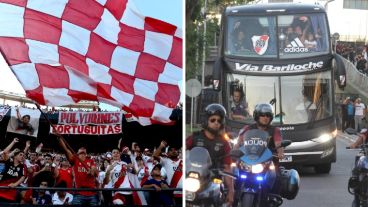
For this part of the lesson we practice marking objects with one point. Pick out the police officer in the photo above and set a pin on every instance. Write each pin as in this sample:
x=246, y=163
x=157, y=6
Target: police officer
x=211, y=138
x=263, y=116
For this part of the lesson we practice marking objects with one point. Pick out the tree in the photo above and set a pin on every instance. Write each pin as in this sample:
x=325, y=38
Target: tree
x=195, y=39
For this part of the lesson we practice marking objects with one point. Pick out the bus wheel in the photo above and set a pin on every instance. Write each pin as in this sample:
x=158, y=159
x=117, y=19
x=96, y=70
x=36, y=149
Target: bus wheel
x=323, y=169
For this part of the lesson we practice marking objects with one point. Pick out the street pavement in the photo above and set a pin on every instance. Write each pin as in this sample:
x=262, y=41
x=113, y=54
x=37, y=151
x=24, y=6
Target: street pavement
x=327, y=190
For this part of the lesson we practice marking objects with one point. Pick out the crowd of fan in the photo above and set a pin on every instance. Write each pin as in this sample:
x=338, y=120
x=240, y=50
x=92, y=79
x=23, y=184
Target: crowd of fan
x=120, y=168
x=356, y=55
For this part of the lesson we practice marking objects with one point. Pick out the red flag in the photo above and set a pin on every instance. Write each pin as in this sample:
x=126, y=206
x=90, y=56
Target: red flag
x=71, y=50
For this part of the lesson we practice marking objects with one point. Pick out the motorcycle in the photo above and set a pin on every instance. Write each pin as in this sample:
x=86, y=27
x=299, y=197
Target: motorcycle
x=203, y=183
x=358, y=182
x=257, y=174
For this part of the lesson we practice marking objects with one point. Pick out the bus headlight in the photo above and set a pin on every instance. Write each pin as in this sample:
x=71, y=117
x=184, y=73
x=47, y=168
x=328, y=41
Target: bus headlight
x=258, y=168
x=323, y=138
x=192, y=184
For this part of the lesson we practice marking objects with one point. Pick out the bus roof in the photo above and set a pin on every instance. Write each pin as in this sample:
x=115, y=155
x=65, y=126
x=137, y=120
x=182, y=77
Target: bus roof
x=277, y=8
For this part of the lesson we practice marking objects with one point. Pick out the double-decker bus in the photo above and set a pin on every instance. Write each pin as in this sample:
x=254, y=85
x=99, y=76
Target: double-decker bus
x=281, y=54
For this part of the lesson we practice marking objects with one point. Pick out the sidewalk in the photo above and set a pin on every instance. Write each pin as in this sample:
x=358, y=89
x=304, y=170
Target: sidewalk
x=350, y=138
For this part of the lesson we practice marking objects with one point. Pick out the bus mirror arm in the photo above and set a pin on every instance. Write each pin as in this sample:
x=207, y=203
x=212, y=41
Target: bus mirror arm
x=217, y=75
x=340, y=72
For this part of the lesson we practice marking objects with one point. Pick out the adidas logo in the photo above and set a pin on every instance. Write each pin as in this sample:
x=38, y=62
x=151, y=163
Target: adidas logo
x=295, y=46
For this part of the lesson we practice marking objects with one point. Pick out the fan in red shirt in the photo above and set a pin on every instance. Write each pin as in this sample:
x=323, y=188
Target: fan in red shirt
x=64, y=173
x=85, y=173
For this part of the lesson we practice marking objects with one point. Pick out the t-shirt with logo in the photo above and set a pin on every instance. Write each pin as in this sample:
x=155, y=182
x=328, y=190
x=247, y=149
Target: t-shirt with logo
x=359, y=109
x=82, y=178
x=11, y=174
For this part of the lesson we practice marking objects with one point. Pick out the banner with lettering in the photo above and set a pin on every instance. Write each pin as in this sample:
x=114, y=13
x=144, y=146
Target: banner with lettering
x=24, y=121
x=90, y=123
x=3, y=111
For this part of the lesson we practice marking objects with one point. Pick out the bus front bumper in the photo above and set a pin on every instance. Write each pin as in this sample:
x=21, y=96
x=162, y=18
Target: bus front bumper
x=310, y=153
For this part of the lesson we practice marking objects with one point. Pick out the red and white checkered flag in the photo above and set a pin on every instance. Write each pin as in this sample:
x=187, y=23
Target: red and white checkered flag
x=64, y=51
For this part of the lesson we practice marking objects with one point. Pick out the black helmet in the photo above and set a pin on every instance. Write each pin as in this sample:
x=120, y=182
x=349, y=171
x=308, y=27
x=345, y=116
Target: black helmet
x=215, y=109
x=262, y=109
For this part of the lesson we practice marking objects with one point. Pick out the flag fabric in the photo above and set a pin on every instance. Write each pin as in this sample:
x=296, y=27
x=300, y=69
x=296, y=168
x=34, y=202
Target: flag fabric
x=24, y=121
x=64, y=51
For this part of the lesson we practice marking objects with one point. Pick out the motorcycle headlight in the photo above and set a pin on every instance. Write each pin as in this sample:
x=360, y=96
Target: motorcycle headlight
x=258, y=168
x=245, y=167
x=192, y=184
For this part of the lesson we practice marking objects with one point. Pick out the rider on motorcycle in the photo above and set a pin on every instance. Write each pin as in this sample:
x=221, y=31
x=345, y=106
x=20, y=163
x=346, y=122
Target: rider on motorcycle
x=211, y=138
x=263, y=116
x=361, y=139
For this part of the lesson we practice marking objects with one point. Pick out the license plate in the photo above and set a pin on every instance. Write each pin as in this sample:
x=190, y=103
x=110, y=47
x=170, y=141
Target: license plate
x=287, y=158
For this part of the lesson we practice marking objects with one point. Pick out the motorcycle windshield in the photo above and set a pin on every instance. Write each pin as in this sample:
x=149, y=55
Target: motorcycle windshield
x=255, y=146
x=198, y=160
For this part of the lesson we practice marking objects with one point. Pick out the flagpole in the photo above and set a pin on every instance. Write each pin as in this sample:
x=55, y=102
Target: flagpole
x=54, y=129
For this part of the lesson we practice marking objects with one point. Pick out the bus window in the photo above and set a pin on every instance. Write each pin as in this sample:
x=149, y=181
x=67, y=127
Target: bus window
x=251, y=36
x=256, y=90
x=238, y=105
x=302, y=35
x=306, y=98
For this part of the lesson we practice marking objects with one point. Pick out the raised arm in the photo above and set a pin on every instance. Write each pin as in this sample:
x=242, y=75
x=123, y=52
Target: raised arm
x=157, y=152
x=26, y=148
x=6, y=152
x=18, y=114
x=68, y=153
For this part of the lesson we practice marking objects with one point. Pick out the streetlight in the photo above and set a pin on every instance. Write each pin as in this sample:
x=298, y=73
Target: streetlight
x=204, y=40
x=335, y=37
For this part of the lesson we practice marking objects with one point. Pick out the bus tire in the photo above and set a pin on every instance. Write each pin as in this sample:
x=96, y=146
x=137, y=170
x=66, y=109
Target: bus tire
x=323, y=169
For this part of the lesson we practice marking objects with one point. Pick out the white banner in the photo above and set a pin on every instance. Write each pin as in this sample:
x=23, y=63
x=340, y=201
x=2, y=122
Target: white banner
x=24, y=121
x=95, y=118
x=3, y=111
x=88, y=129
x=91, y=123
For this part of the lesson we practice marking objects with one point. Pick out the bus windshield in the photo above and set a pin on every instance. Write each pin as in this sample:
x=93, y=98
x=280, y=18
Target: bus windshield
x=284, y=36
x=304, y=98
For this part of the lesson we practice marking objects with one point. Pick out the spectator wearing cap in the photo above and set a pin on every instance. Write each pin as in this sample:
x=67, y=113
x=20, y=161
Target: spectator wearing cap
x=119, y=174
x=158, y=197
x=359, y=114
x=173, y=167
x=85, y=173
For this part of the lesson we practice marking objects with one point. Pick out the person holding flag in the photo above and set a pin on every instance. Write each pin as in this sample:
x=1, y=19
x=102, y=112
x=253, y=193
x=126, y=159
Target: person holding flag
x=85, y=173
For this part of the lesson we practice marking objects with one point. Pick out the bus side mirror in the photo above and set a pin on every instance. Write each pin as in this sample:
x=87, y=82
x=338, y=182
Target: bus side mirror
x=340, y=72
x=217, y=75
